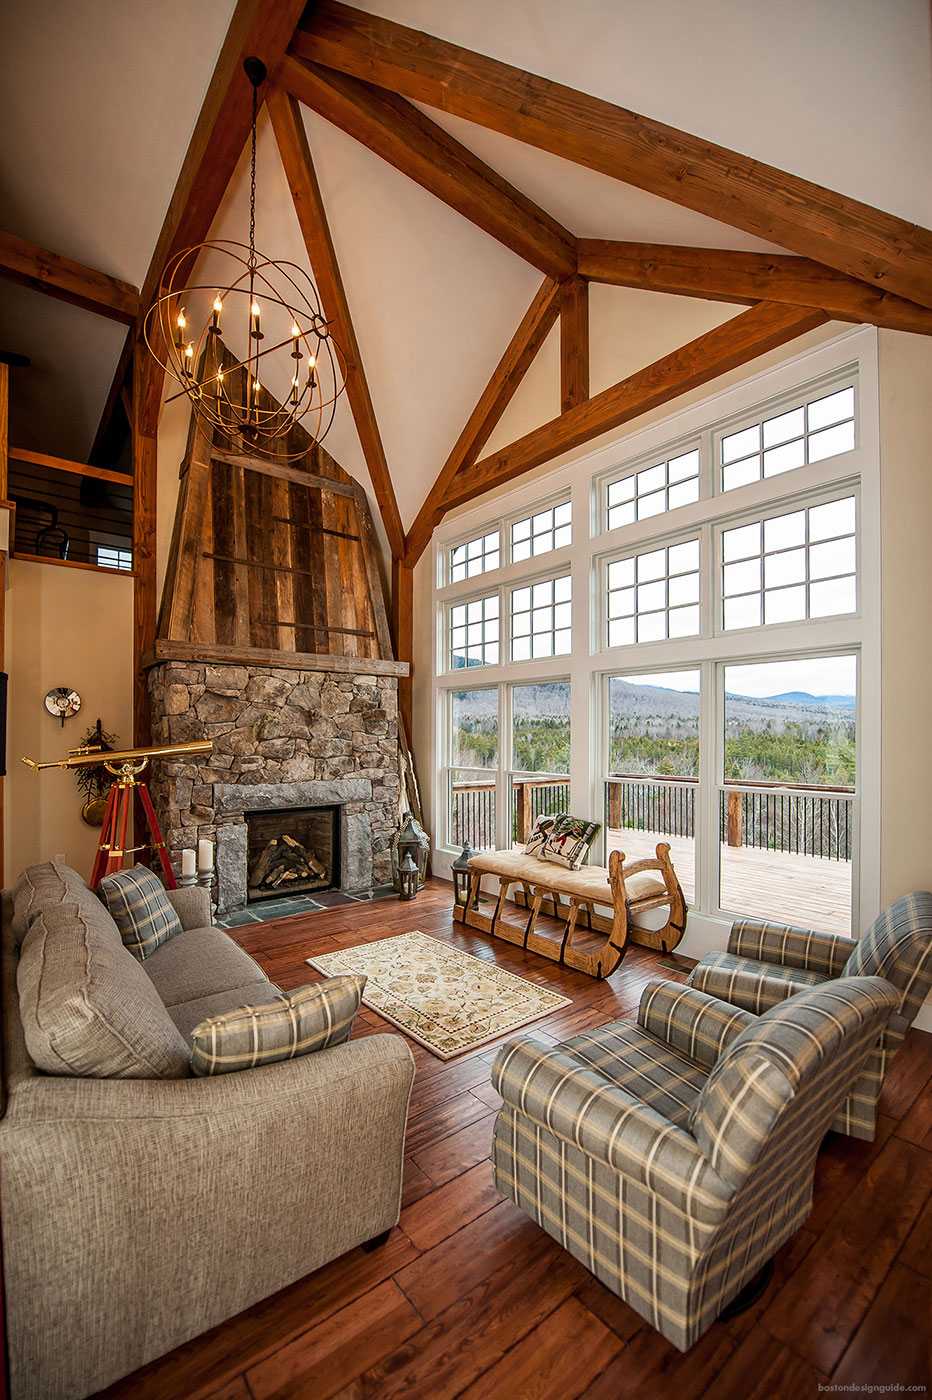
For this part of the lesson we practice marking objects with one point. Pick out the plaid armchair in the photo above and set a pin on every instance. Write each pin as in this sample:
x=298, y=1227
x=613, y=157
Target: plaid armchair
x=766, y=963
x=674, y=1155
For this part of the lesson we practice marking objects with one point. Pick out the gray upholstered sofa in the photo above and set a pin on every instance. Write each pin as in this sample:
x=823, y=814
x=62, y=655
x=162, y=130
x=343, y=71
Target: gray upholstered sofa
x=141, y=1209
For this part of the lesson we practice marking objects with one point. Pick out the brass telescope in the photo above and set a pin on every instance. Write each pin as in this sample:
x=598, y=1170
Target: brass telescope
x=83, y=758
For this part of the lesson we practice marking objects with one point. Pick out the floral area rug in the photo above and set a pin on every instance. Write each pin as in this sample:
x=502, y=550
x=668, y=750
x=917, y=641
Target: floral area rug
x=446, y=1000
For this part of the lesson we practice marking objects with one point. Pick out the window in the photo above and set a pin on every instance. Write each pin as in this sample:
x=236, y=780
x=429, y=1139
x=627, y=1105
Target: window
x=653, y=490
x=108, y=558
x=654, y=595
x=474, y=632
x=814, y=430
x=540, y=619
x=540, y=533
x=723, y=662
x=786, y=568
x=476, y=556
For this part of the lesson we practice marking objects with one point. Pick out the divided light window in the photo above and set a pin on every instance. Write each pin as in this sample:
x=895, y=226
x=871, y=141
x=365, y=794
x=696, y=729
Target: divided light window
x=111, y=558
x=654, y=595
x=819, y=428
x=540, y=619
x=540, y=533
x=474, y=633
x=787, y=568
x=653, y=490
x=475, y=556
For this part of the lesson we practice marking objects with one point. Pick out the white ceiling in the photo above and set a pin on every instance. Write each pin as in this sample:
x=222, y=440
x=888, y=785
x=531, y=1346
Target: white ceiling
x=98, y=101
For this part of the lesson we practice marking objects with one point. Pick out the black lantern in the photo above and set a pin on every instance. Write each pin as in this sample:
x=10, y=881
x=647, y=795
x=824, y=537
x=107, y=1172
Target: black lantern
x=462, y=878
x=412, y=840
x=409, y=878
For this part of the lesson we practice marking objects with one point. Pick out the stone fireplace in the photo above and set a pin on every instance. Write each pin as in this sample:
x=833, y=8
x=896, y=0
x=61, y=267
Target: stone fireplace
x=285, y=741
x=293, y=850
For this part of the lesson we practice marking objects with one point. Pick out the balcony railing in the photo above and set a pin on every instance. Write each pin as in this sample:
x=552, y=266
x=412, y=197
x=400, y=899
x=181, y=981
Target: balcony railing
x=472, y=816
x=798, y=821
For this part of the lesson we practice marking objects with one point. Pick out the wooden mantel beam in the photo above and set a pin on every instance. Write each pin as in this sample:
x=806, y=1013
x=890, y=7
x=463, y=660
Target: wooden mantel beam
x=67, y=280
x=259, y=28
x=818, y=223
x=727, y=346
x=420, y=149
x=312, y=218
x=535, y=326
x=718, y=274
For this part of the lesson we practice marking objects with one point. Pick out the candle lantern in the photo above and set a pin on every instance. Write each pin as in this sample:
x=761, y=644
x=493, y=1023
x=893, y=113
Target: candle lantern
x=408, y=877
x=462, y=878
x=411, y=840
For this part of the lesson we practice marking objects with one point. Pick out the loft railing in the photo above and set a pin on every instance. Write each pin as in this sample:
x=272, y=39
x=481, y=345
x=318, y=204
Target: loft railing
x=472, y=815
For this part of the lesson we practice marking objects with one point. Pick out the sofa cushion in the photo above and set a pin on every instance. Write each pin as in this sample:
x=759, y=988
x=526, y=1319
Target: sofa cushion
x=295, y=1023
x=87, y=1006
x=198, y=963
x=140, y=908
x=39, y=887
x=188, y=1014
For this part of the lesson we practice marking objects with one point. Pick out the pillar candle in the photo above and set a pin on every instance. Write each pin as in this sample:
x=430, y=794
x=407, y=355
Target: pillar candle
x=205, y=855
x=188, y=866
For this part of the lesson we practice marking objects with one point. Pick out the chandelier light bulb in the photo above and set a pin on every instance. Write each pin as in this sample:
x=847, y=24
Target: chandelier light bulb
x=181, y=323
x=295, y=329
x=254, y=309
x=218, y=304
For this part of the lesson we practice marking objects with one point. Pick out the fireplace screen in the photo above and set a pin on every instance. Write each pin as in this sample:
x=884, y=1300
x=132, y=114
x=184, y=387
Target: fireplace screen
x=292, y=851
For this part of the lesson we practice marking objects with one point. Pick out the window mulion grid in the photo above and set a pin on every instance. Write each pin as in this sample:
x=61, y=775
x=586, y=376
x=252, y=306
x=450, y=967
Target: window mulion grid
x=653, y=488
x=541, y=532
x=475, y=632
x=474, y=556
x=653, y=595
x=541, y=618
x=802, y=430
x=790, y=566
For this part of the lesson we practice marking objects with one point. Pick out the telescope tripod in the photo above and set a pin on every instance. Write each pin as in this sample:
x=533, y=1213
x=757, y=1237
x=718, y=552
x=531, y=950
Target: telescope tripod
x=111, y=849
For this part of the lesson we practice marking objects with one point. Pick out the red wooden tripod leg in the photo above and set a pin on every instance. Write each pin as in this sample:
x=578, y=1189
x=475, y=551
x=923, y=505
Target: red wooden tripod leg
x=117, y=856
x=156, y=833
x=107, y=838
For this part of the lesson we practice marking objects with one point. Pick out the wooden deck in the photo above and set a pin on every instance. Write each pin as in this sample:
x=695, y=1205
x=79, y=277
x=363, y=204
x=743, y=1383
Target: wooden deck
x=791, y=889
x=470, y=1299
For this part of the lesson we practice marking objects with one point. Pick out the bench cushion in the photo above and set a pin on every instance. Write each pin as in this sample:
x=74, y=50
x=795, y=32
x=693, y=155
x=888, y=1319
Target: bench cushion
x=590, y=882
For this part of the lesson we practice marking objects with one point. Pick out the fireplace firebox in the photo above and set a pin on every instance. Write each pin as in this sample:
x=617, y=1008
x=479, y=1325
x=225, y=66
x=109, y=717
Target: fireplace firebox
x=292, y=851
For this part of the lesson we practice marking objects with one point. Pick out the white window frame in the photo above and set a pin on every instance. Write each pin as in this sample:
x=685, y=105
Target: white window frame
x=589, y=662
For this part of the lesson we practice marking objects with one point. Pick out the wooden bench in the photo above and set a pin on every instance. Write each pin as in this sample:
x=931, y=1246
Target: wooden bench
x=629, y=892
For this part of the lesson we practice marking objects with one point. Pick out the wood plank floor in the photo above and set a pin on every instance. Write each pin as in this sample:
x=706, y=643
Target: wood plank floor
x=469, y=1298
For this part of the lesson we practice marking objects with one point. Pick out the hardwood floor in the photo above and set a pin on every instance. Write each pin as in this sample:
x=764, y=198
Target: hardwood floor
x=470, y=1299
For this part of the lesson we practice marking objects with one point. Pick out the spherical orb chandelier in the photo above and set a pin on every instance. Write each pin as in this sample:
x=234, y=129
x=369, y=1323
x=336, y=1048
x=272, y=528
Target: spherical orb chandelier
x=283, y=336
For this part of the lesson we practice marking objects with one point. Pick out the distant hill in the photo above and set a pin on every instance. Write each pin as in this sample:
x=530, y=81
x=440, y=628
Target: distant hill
x=802, y=697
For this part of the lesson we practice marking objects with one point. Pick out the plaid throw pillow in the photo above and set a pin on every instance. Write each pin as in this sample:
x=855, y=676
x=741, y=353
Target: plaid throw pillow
x=140, y=908
x=295, y=1023
x=569, y=840
x=535, y=842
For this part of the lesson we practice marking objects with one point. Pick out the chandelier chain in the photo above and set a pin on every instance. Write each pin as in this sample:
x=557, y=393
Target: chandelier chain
x=252, y=182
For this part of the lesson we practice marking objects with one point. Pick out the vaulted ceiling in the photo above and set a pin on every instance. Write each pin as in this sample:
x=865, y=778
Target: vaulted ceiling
x=100, y=104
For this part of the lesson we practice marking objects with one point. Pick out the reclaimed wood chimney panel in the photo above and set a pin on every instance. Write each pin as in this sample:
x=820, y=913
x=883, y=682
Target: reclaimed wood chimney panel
x=272, y=558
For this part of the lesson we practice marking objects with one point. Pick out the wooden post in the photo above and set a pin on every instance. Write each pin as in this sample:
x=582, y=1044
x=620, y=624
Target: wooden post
x=735, y=818
x=403, y=634
x=4, y=463
x=145, y=461
x=523, y=793
x=615, y=819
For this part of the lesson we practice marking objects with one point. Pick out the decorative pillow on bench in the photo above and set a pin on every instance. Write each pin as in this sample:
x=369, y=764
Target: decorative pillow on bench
x=569, y=841
x=535, y=842
x=140, y=908
x=295, y=1023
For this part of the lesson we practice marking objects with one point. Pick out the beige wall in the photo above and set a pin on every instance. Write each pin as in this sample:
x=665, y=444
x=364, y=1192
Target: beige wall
x=64, y=627
x=906, y=523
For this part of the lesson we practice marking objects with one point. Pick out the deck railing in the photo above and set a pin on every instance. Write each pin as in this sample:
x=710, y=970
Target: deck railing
x=798, y=820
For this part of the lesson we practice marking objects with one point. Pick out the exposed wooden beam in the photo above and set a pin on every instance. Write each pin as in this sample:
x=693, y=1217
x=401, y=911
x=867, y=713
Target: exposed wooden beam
x=259, y=28
x=312, y=218
x=574, y=343
x=743, y=338
x=718, y=274
x=535, y=326
x=420, y=149
x=818, y=223
x=67, y=280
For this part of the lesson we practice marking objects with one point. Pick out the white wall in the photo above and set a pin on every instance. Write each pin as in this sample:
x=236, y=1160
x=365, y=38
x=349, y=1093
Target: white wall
x=64, y=627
